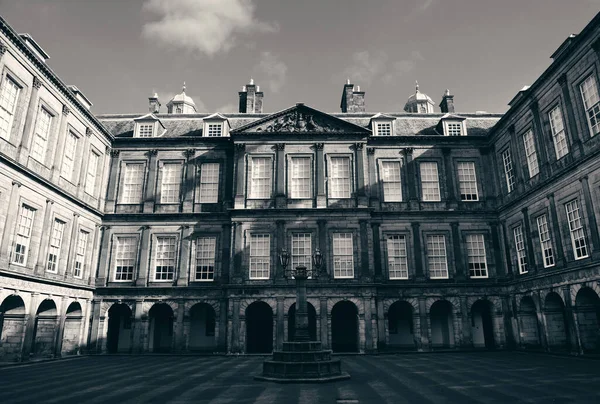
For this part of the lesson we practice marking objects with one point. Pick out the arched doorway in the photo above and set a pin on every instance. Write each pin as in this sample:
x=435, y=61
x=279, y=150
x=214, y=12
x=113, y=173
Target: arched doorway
x=482, y=324
x=44, y=330
x=344, y=327
x=161, y=328
x=442, y=324
x=587, y=306
x=119, y=328
x=202, y=327
x=554, y=311
x=12, y=321
x=312, y=322
x=259, y=328
x=528, y=323
x=400, y=325
x=71, y=333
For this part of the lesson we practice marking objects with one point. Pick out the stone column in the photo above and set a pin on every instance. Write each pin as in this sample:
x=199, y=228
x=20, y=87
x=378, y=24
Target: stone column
x=419, y=273
x=228, y=171
x=507, y=315
x=531, y=265
x=465, y=313
x=365, y=272
x=240, y=173
x=137, y=324
x=320, y=176
x=280, y=243
x=497, y=248
x=381, y=343
x=238, y=250
x=23, y=149
x=540, y=145
x=450, y=176
x=411, y=178
x=83, y=172
x=591, y=217
x=223, y=276
x=539, y=311
x=40, y=265
x=30, y=325
x=361, y=195
x=150, y=197
x=143, y=264
x=222, y=342
x=3, y=49
x=190, y=181
x=9, y=224
x=185, y=272
x=324, y=323
x=508, y=258
x=377, y=251
x=93, y=339
x=322, y=224
x=573, y=137
x=572, y=332
x=280, y=324
x=60, y=144
x=111, y=193
x=69, y=260
x=235, y=327
x=280, y=192
x=488, y=180
x=60, y=330
x=373, y=187
x=555, y=226
x=104, y=261
x=423, y=320
x=178, y=341
x=369, y=345
x=461, y=273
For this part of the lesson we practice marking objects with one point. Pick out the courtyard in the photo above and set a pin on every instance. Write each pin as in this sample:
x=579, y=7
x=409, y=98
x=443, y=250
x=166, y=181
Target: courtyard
x=474, y=377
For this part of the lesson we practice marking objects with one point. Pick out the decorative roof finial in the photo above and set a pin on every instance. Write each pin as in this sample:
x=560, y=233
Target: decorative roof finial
x=183, y=89
x=447, y=92
x=348, y=80
x=251, y=81
x=417, y=85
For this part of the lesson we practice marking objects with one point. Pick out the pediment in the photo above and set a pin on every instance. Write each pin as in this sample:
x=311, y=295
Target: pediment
x=301, y=119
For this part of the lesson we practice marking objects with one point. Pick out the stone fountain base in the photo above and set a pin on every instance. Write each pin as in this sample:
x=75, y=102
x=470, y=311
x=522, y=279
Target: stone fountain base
x=302, y=362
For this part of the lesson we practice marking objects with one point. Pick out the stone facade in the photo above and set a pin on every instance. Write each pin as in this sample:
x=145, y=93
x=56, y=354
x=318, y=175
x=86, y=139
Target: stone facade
x=412, y=213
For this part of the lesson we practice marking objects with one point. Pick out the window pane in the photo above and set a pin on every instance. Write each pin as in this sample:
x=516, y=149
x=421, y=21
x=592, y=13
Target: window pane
x=476, y=256
x=397, y=257
x=301, y=178
x=171, y=181
x=209, y=183
x=205, y=258
x=301, y=250
x=436, y=256
x=90, y=181
x=390, y=177
x=9, y=94
x=430, y=183
x=145, y=129
x=133, y=183
x=520, y=247
x=591, y=102
x=545, y=241
x=68, y=164
x=80, y=253
x=467, y=181
x=23, y=235
x=340, y=178
x=577, y=230
x=260, y=256
x=54, y=247
x=558, y=133
x=343, y=255
x=126, y=257
x=384, y=129
x=166, y=250
x=214, y=129
x=454, y=128
x=260, y=186
x=508, y=170
x=40, y=137
x=532, y=161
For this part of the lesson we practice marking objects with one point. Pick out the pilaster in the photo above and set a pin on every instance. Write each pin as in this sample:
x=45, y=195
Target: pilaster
x=361, y=196
x=150, y=197
x=111, y=193
x=23, y=149
x=531, y=262
x=280, y=194
x=377, y=250
x=60, y=144
x=240, y=155
x=416, y=230
x=320, y=176
x=365, y=272
x=573, y=136
x=591, y=217
x=9, y=224
x=461, y=273
x=40, y=265
x=189, y=185
x=449, y=173
x=143, y=264
x=185, y=272
x=373, y=187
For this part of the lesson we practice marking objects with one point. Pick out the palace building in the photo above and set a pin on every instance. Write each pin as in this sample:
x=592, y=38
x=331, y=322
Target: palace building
x=163, y=231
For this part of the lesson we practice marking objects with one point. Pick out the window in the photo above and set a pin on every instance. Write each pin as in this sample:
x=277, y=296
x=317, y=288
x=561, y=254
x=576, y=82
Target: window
x=260, y=185
x=145, y=129
x=301, y=250
x=301, y=178
x=171, y=181
x=9, y=93
x=178, y=109
x=23, y=236
x=133, y=183
x=520, y=247
x=397, y=257
x=476, y=256
x=508, y=170
x=436, y=257
x=126, y=258
x=215, y=129
x=430, y=182
x=166, y=250
x=209, y=183
x=467, y=181
x=591, y=102
x=545, y=242
x=558, y=133
x=260, y=256
x=384, y=129
x=340, y=178
x=82, y=241
x=68, y=163
x=576, y=228
x=532, y=161
x=55, y=242
x=205, y=258
x=343, y=255
x=40, y=137
x=92, y=171
x=454, y=128
x=390, y=177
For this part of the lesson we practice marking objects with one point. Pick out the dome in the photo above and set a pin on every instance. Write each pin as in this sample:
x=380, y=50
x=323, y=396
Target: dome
x=182, y=102
x=183, y=97
x=419, y=102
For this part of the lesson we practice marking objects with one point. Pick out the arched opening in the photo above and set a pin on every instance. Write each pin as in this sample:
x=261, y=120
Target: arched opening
x=161, y=328
x=45, y=329
x=119, y=328
x=12, y=321
x=400, y=325
x=529, y=326
x=344, y=327
x=482, y=324
x=442, y=324
x=554, y=311
x=71, y=333
x=587, y=306
x=312, y=322
x=202, y=327
x=259, y=328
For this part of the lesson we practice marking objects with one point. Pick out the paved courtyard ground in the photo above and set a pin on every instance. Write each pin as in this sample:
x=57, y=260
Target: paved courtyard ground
x=478, y=377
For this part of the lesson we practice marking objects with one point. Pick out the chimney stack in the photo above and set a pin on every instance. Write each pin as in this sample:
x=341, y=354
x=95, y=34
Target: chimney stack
x=251, y=99
x=447, y=103
x=154, y=104
x=353, y=100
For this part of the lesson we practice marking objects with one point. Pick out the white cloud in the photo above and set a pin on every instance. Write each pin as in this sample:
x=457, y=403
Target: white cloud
x=227, y=108
x=202, y=26
x=367, y=67
x=274, y=69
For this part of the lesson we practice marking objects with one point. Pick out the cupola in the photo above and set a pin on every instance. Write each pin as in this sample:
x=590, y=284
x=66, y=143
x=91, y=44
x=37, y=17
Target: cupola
x=419, y=103
x=181, y=104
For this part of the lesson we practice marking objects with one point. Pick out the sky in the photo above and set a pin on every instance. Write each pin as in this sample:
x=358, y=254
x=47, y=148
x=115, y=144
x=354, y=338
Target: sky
x=119, y=52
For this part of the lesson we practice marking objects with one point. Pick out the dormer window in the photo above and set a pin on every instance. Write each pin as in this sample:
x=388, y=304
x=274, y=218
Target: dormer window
x=384, y=129
x=148, y=126
x=454, y=129
x=215, y=129
x=178, y=109
x=452, y=125
x=382, y=125
x=145, y=130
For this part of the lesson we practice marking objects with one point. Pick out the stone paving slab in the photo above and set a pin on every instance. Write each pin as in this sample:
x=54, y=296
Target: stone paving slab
x=479, y=377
